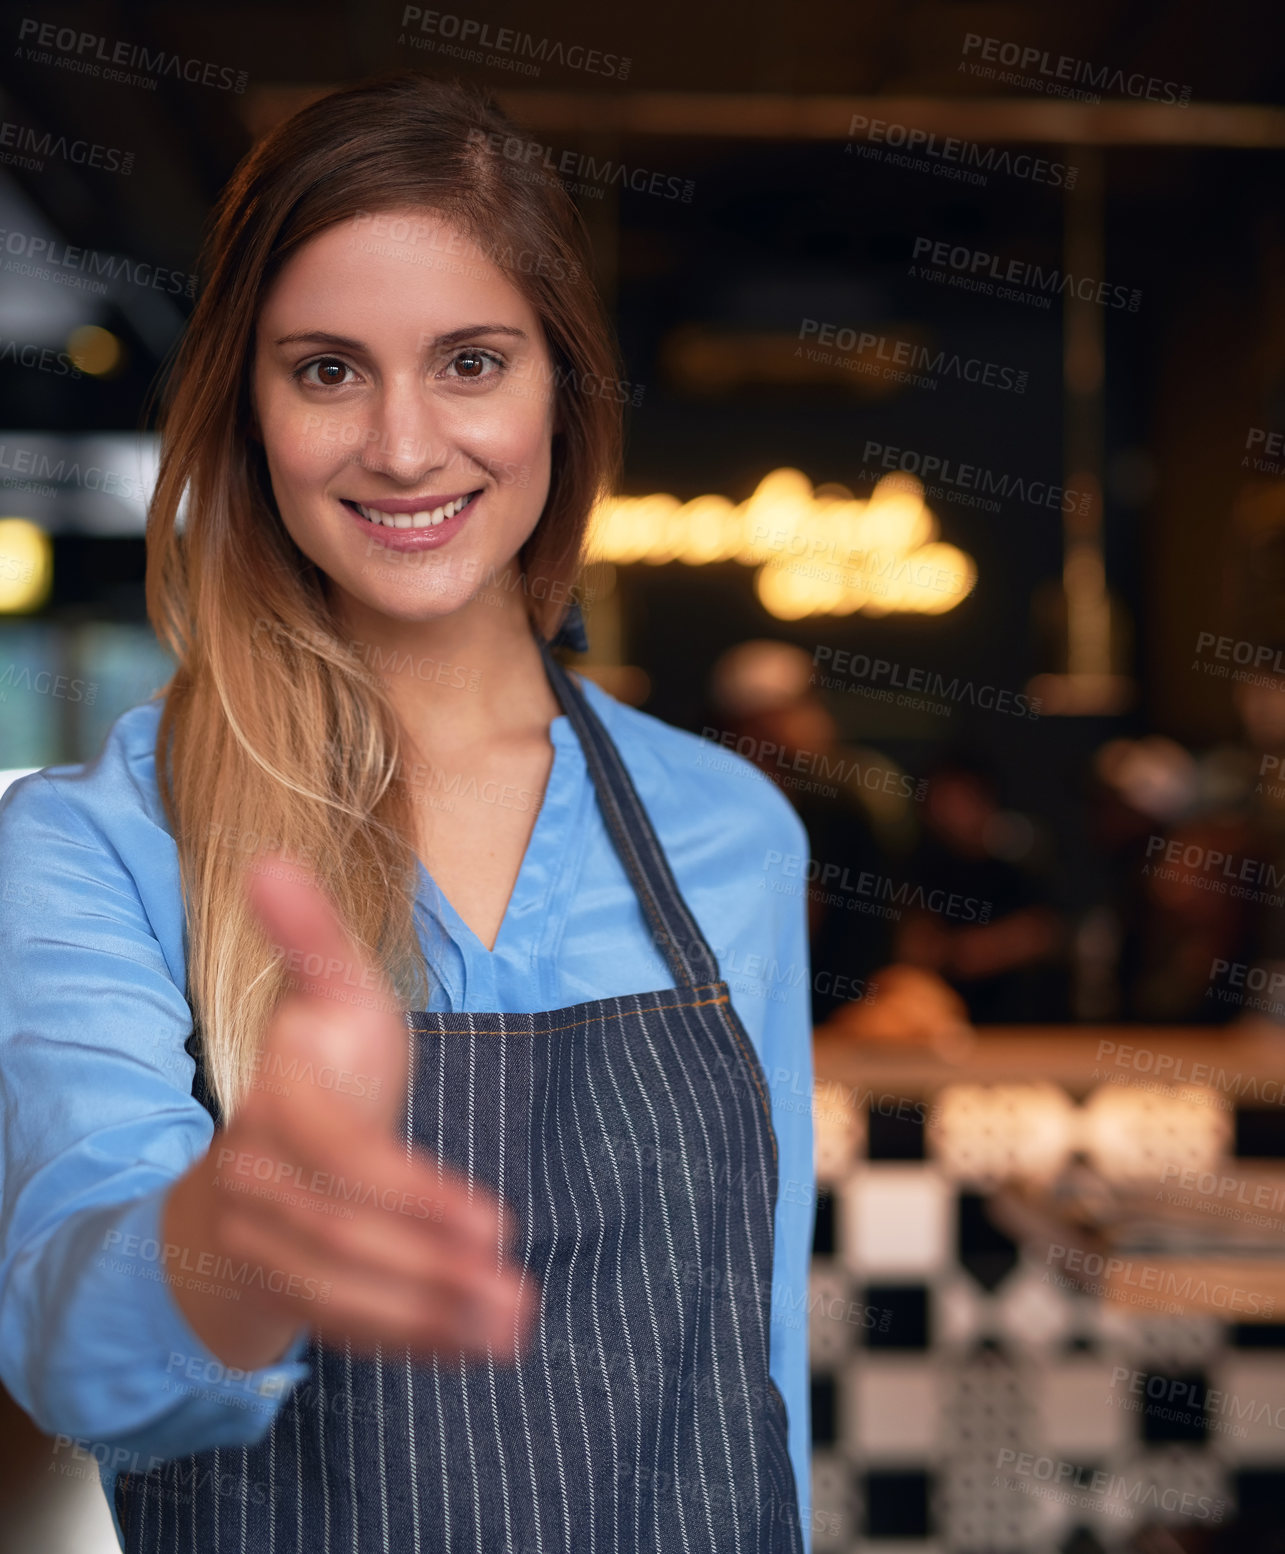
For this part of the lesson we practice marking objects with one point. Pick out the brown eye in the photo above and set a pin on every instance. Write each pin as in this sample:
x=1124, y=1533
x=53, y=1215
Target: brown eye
x=475, y=364
x=330, y=372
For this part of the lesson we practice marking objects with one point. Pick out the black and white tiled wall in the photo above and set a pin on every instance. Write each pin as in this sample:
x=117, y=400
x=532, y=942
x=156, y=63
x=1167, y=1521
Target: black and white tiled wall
x=964, y=1403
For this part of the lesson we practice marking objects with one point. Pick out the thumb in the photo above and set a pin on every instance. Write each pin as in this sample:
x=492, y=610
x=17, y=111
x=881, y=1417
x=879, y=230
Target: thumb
x=339, y=1029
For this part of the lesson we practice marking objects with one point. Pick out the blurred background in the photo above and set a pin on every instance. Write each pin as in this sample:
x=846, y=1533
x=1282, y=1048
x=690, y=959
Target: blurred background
x=954, y=344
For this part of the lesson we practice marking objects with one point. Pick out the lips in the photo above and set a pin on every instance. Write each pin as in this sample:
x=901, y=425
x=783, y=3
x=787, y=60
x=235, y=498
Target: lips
x=399, y=515
x=413, y=530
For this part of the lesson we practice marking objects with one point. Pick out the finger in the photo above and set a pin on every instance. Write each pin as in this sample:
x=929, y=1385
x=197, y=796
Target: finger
x=340, y=1015
x=368, y=1248
x=371, y=1316
x=434, y=1312
x=300, y=918
x=373, y=1166
x=293, y=1159
x=372, y=1245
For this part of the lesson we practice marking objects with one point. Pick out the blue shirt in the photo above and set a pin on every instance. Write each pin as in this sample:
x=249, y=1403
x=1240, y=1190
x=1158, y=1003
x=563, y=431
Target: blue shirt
x=96, y=1087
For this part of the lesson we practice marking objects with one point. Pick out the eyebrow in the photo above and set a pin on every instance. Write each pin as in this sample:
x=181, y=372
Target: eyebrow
x=452, y=337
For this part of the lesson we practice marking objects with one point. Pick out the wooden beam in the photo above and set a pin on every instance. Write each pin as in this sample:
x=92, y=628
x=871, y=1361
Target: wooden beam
x=1243, y=1070
x=781, y=117
x=775, y=116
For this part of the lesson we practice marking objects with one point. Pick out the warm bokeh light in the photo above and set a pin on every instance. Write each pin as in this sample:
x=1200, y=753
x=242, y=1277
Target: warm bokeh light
x=95, y=350
x=819, y=551
x=26, y=566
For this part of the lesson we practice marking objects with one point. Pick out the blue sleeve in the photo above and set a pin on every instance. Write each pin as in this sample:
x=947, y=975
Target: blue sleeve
x=787, y=1061
x=98, y=1121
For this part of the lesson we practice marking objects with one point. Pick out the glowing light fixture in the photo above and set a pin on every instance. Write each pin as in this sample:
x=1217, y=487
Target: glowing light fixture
x=26, y=566
x=818, y=551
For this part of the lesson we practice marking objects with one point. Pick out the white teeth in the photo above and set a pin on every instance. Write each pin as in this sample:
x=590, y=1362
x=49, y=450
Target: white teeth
x=427, y=519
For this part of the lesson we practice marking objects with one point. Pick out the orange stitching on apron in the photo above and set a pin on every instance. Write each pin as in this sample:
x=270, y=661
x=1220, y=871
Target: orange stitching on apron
x=619, y=1014
x=767, y=1110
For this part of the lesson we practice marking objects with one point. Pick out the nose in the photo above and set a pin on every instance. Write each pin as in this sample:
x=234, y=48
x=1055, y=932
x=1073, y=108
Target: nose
x=406, y=437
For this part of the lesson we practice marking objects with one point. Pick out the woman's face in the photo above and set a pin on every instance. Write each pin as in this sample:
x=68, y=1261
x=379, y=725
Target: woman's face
x=400, y=379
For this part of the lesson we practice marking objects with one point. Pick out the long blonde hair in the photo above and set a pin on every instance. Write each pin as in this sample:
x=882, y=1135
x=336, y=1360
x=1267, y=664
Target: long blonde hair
x=274, y=737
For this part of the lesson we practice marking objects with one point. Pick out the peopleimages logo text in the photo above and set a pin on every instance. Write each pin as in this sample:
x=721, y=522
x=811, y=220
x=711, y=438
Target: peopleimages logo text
x=976, y=264
x=966, y=154
x=1026, y=57
x=903, y=893
x=1166, y=1069
x=34, y=465
x=849, y=667
x=918, y=358
x=468, y=32
x=1063, y=1477
x=31, y=146
x=813, y=763
x=39, y=251
x=1179, y=1286
x=93, y=48
x=975, y=477
x=1212, y=860
x=533, y=156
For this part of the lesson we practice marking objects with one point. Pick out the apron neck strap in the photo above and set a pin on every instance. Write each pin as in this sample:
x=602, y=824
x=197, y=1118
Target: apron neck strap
x=675, y=932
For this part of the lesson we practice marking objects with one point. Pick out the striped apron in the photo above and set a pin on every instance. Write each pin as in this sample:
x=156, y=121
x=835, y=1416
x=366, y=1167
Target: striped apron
x=632, y=1137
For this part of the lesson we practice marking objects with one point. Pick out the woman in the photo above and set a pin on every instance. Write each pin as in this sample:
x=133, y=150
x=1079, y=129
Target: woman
x=386, y=1165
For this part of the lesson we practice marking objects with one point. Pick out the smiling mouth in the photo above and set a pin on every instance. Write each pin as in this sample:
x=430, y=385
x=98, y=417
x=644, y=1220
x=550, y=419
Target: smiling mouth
x=429, y=518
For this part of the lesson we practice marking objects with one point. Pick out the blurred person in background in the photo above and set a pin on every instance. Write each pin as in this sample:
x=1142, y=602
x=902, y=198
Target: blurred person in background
x=1172, y=824
x=1134, y=786
x=1260, y=704
x=979, y=913
x=1188, y=920
x=854, y=802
